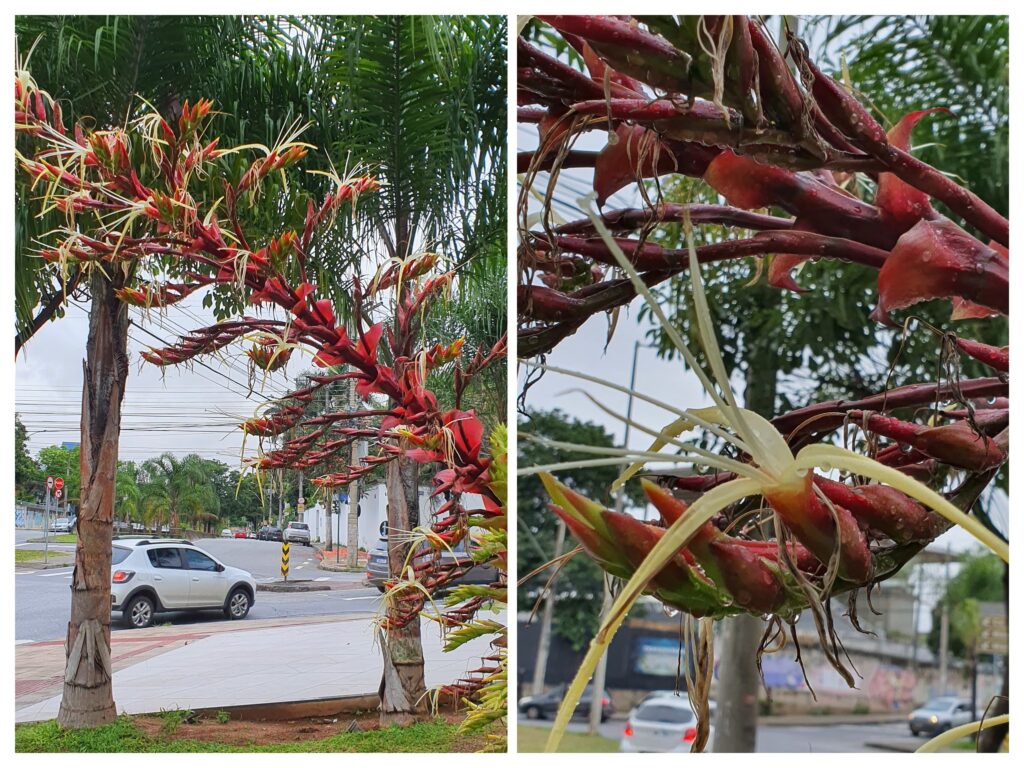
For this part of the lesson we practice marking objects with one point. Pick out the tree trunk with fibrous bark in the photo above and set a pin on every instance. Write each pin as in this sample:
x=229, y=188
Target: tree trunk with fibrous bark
x=88, y=699
x=403, y=690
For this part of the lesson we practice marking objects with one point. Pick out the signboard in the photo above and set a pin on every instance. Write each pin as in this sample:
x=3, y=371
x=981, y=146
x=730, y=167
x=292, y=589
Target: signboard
x=58, y=493
x=58, y=483
x=994, y=636
x=49, y=482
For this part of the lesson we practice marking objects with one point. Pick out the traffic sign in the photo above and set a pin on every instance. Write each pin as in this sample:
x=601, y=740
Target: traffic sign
x=49, y=482
x=58, y=483
x=302, y=500
x=994, y=637
x=58, y=493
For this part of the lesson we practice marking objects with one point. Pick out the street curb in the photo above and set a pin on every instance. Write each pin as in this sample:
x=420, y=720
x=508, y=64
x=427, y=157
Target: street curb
x=893, y=746
x=42, y=567
x=297, y=710
x=305, y=585
x=818, y=720
x=323, y=565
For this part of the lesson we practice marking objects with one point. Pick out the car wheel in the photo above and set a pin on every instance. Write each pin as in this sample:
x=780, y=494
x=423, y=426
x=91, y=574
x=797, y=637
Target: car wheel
x=238, y=604
x=138, y=614
x=915, y=731
x=534, y=713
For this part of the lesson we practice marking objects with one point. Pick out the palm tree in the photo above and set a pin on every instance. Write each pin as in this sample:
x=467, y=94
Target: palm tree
x=422, y=100
x=128, y=502
x=177, y=489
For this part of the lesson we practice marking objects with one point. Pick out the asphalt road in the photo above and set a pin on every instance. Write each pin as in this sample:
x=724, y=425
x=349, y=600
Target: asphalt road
x=43, y=598
x=783, y=738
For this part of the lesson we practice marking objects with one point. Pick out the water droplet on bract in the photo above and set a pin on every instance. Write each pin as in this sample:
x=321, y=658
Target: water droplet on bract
x=669, y=611
x=826, y=467
x=904, y=448
x=801, y=473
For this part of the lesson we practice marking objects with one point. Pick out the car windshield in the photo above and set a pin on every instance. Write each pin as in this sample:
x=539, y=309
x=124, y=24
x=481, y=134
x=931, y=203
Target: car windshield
x=665, y=713
x=939, y=705
x=300, y=526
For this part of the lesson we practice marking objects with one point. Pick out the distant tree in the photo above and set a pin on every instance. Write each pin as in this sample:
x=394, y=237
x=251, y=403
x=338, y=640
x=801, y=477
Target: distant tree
x=27, y=475
x=58, y=461
x=980, y=580
x=579, y=589
x=177, y=490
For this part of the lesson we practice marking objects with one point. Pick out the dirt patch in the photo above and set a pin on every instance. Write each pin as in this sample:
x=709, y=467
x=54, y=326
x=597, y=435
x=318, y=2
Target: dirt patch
x=243, y=733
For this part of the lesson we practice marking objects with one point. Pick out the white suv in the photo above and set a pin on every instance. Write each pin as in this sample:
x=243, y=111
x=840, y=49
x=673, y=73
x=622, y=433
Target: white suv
x=296, y=532
x=151, y=575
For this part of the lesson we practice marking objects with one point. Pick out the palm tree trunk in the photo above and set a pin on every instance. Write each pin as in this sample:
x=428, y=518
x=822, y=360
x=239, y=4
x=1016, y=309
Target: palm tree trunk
x=88, y=699
x=736, y=722
x=402, y=687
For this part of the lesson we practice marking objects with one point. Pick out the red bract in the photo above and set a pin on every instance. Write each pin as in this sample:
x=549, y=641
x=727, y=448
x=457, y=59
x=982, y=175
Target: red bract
x=937, y=259
x=901, y=204
x=636, y=154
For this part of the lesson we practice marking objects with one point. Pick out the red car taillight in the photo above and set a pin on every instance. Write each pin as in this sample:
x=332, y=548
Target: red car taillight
x=605, y=702
x=629, y=729
x=122, y=577
x=690, y=735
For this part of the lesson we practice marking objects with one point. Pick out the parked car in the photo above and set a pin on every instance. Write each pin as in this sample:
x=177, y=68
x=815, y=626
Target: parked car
x=239, y=534
x=269, y=533
x=662, y=722
x=226, y=533
x=940, y=715
x=296, y=532
x=673, y=694
x=377, y=572
x=63, y=525
x=151, y=575
x=547, y=704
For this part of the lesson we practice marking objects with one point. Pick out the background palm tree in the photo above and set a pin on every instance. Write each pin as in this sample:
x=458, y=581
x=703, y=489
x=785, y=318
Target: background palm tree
x=179, y=489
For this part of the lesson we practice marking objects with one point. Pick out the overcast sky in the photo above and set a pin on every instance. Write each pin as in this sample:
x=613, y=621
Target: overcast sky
x=185, y=409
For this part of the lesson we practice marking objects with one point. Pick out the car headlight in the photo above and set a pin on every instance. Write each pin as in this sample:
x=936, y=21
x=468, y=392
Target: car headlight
x=933, y=719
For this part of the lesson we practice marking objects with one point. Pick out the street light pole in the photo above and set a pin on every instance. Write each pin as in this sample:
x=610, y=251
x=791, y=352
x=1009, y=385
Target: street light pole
x=601, y=671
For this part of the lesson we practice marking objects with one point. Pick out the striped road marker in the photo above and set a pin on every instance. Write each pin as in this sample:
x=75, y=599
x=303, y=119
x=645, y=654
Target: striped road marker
x=285, y=550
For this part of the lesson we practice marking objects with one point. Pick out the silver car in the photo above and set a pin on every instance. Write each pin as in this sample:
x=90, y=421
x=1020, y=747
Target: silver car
x=150, y=576
x=661, y=723
x=939, y=715
x=296, y=533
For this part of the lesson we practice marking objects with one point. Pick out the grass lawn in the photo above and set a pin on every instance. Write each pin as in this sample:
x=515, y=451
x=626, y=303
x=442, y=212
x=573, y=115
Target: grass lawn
x=533, y=739
x=125, y=735
x=29, y=555
x=57, y=538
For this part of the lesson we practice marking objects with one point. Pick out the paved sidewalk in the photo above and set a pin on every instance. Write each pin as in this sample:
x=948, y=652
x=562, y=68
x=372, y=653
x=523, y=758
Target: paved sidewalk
x=225, y=664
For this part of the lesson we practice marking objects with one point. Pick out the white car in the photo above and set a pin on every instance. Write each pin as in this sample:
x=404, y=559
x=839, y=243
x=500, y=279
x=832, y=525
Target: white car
x=296, y=532
x=663, y=722
x=227, y=533
x=940, y=715
x=150, y=576
x=63, y=525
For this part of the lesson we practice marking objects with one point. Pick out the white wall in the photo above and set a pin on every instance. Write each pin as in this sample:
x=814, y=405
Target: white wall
x=373, y=511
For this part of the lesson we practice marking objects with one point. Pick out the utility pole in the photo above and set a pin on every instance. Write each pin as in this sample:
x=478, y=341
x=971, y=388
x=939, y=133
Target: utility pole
x=601, y=671
x=540, y=666
x=352, y=553
x=944, y=631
